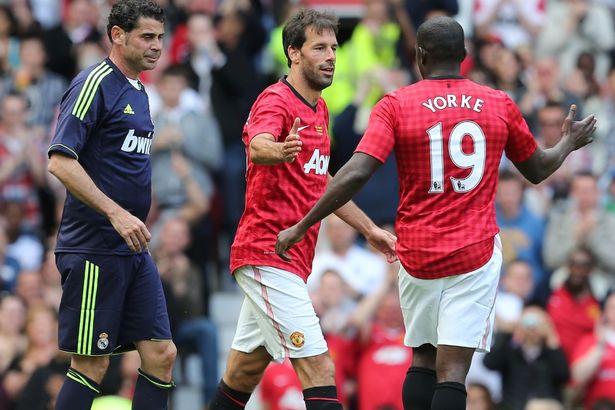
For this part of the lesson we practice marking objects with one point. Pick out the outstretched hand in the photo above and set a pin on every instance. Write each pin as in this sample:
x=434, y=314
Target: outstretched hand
x=286, y=239
x=384, y=241
x=292, y=144
x=579, y=132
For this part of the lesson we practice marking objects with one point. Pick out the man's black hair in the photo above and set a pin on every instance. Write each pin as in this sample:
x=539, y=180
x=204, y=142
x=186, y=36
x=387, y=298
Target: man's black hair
x=126, y=13
x=442, y=38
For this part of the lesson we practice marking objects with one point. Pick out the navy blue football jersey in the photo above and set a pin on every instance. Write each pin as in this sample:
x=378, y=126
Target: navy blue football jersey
x=106, y=125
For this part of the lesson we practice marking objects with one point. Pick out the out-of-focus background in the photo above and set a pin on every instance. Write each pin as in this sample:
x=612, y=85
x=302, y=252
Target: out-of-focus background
x=559, y=236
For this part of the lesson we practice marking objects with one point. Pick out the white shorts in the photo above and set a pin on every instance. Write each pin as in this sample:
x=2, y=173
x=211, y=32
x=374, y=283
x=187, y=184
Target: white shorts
x=456, y=310
x=277, y=313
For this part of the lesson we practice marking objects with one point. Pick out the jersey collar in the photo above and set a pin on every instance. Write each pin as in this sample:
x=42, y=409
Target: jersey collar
x=299, y=96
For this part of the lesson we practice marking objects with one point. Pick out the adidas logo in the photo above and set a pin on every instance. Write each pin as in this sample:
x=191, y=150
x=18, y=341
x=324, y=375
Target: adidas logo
x=128, y=110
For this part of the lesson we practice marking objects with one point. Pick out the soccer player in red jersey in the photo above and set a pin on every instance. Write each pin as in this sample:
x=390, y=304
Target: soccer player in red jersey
x=287, y=147
x=448, y=134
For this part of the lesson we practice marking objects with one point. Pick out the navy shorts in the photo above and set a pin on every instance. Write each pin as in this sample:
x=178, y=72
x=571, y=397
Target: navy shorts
x=109, y=302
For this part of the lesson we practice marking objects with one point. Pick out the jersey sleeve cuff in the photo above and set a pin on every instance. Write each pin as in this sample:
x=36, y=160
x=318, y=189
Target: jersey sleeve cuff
x=362, y=151
x=64, y=149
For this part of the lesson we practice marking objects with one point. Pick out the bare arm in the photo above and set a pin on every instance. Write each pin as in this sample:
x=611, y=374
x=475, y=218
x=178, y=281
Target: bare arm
x=543, y=163
x=265, y=150
x=346, y=183
x=78, y=182
x=584, y=369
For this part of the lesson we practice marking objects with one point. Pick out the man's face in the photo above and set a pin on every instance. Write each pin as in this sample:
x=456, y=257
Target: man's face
x=143, y=45
x=550, y=120
x=317, y=58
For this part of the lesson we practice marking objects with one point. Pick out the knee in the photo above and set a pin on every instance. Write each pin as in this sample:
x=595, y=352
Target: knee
x=315, y=371
x=159, y=354
x=94, y=367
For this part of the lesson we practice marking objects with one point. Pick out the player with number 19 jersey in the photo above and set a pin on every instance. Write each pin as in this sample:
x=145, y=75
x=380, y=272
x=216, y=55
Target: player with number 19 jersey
x=279, y=195
x=449, y=134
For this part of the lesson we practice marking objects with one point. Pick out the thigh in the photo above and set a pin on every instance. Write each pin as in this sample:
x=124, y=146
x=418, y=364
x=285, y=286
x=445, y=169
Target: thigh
x=420, y=303
x=283, y=311
x=466, y=316
x=93, y=294
x=144, y=316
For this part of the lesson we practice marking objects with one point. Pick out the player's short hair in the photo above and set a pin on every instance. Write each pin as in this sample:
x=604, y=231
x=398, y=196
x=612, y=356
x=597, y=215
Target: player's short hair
x=126, y=13
x=294, y=30
x=443, y=39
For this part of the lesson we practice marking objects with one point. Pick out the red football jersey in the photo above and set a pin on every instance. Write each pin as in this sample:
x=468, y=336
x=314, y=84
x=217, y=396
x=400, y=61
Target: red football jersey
x=603, y=383
x=277, y=196
x=448, y=135
x=572, y=319
x=382, y=368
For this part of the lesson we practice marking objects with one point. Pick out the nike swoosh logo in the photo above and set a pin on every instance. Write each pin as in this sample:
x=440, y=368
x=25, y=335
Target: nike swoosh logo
x=302, y=128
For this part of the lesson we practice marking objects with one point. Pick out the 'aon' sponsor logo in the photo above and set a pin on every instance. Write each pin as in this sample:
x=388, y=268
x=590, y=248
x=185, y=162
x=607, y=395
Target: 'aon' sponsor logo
x=133, y=143
x=318, y=163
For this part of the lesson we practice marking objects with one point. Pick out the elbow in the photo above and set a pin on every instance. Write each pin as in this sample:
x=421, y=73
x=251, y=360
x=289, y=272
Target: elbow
x=53, y=166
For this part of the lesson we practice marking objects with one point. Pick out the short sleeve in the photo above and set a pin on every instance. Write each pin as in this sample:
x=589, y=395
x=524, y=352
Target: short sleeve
x=79, y=114
x=267, y=116
x=379, y=138
x=521, y=143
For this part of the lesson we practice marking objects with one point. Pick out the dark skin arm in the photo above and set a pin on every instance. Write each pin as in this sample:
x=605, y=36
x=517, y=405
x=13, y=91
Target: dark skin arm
x=543, y=163
x=346, y=183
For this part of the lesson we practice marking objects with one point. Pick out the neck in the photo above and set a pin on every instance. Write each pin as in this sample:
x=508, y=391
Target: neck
x=299, y=84
x=120, y=63
x=442, y=71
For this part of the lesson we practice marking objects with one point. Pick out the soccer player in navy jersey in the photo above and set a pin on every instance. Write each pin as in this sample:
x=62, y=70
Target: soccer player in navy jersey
x=112, y=297
x=287, y=146
x=449, y=135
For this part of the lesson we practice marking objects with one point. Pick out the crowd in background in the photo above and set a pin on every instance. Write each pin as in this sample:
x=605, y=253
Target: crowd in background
x=555, y=316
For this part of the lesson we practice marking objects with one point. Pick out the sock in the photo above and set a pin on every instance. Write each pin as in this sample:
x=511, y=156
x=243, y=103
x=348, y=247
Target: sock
x=419, y=387
x=78, y=392
x=449, y=396
x=151, y=393
x=228, y=399
x=321, y=398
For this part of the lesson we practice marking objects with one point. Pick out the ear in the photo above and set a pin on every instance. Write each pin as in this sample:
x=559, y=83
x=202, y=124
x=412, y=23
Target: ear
x=294, y=54
x=117, y=35
x=465, y=53
x=421, y=55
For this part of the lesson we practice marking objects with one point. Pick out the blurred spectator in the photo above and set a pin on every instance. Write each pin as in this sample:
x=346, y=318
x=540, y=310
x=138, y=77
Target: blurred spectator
x=235, y=85
x=383, y=358
x=9, y=265
x=23, y=245
x=515, y=290
x=610, y=195
x=576, y=26
x=9, y=44
x=479, y=398
x=22, y=164
x=183, y=290
x=78, y=26
x=43, y=386
x=41, y=88
x=581, y=221
x=372, y=45
x=41, y=331
x=25, y=22
x=573, y=307
x=12, y=321
x=280, y=388
x=607, y=113
x=515, y=22
x=521, y=230
x=543, y=86
x=29, y=288
x=185, y=152
x=335, y=308
x=380, y=195
x=361, y=269
x=530, y=360
x=593, y=361
x=544, y=404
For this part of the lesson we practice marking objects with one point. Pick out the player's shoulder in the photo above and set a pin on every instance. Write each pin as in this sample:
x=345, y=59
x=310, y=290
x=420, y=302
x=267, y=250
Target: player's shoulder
x=95, y=75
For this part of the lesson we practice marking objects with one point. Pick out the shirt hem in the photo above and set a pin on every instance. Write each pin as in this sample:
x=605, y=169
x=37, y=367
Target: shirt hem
x=281, y=265
x=97, y=251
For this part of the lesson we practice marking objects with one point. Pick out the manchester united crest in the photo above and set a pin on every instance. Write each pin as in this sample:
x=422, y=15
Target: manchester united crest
x=297, y=339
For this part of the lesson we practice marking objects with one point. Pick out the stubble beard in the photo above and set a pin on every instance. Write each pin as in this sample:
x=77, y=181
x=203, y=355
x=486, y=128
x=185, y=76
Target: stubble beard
x=315, y=80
